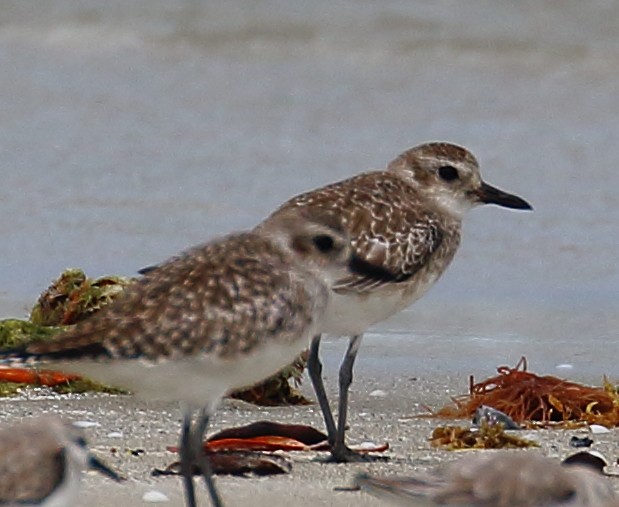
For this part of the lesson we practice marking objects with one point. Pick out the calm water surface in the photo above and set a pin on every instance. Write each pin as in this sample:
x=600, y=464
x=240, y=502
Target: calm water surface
x=131, y=132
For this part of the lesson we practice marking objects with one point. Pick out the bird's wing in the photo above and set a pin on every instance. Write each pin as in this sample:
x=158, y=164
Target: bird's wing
x=221, y=298
x=392, y=240
x=401, y=249
x=416, y=490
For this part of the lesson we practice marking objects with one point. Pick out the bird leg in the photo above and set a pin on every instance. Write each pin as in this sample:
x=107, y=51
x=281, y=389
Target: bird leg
x=202, y=458
x=314, y=368
x=339, y=451
x=186, y=455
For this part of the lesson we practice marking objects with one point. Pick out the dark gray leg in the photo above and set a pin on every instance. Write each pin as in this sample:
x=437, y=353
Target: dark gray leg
x=314, y=368
x=202, y=459
x=186, y=452
x=340, y=452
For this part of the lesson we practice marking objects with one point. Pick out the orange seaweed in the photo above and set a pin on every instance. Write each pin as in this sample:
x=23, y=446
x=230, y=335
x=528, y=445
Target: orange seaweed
x=272, y=436
x=48, y=378
x=266, y=443
x=527, y=397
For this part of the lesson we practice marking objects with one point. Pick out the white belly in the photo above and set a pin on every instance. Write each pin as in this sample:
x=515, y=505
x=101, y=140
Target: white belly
x=353, y=314
x=196, y=381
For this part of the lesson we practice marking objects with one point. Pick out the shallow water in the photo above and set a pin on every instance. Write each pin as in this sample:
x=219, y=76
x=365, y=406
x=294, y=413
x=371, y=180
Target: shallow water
x=131, y=132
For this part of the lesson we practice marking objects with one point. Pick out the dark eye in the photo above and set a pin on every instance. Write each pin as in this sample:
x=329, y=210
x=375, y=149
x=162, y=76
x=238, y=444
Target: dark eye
x=323, y=242
x=448, y=173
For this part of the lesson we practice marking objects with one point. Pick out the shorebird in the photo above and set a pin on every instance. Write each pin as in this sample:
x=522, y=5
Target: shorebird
x=41, y=463
x=404, y=221
x=501, y=479
x=219, y=317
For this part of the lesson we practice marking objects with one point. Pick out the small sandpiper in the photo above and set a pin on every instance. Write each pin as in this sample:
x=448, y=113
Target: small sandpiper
x=41, y=463
x=501, y=479
x=404, y=223
x=219, y=317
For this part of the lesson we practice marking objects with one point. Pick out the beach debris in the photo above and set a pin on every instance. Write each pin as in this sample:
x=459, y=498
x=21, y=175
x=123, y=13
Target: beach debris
x=378, y=393
x=306, y=435
x=46, y=378
x=598, y=429
x=592, y=459
x=580, y=441
x=274, y=436
x=154, y=496
x=235, y=451
x=565, y=366
x=16, y=332
x=13, y=380
x=278, y=389
x=238, y=463
x=73, y=297
x=455, y=438
x=86, y=424
x=69, y=299
x=538, y=401
x=492, y=417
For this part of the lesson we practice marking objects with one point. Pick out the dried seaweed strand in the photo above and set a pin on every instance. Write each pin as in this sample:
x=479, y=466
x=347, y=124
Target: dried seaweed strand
x=524, y=397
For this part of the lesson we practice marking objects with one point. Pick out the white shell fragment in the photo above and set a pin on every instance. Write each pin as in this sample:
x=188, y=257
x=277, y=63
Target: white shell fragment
x=86, y=424
x=366, y=445
x=592, y=459
x=154, y=496
x=378, y=393
x=596, y=429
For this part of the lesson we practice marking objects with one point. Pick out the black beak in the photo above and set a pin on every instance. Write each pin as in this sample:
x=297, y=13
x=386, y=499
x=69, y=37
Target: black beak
x=492, y=195
x=96, y=464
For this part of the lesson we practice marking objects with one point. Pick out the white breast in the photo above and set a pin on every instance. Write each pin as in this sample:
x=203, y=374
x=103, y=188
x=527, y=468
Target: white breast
x=199, y=380
x=353, y=314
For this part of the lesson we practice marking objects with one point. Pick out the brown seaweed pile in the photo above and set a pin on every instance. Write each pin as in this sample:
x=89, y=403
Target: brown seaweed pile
x=278, y=390
x=74, y=297
x=456, y=438
x=535, y=400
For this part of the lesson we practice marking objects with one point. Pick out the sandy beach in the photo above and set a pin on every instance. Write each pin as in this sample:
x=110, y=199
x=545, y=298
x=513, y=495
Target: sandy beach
x=382, y=410
x=133, y=130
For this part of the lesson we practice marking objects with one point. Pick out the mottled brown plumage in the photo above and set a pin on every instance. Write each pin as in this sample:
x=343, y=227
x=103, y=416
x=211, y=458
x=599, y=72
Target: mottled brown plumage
x=503, y=479
x=41, y=462
x=217, y=303
x=406, y=221
x=385, y=228
x=221, y=316
x=222, y=299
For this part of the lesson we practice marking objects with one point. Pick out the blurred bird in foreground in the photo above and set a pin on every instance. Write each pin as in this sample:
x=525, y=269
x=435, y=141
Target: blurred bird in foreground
x=41, y=463
x=501, y=479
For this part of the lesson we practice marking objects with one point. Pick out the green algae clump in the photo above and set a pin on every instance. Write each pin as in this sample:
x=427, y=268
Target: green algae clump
x=74, y=297
x=69, y=299
x=16, y=332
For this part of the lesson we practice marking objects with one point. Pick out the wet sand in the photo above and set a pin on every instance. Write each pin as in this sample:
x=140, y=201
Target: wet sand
x=147, y=428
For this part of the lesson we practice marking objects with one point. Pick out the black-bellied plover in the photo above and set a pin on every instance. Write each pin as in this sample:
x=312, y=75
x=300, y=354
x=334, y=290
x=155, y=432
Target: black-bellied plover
x=219, y=317
x=405, y=221
x=498, y=479
x=41, y=463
